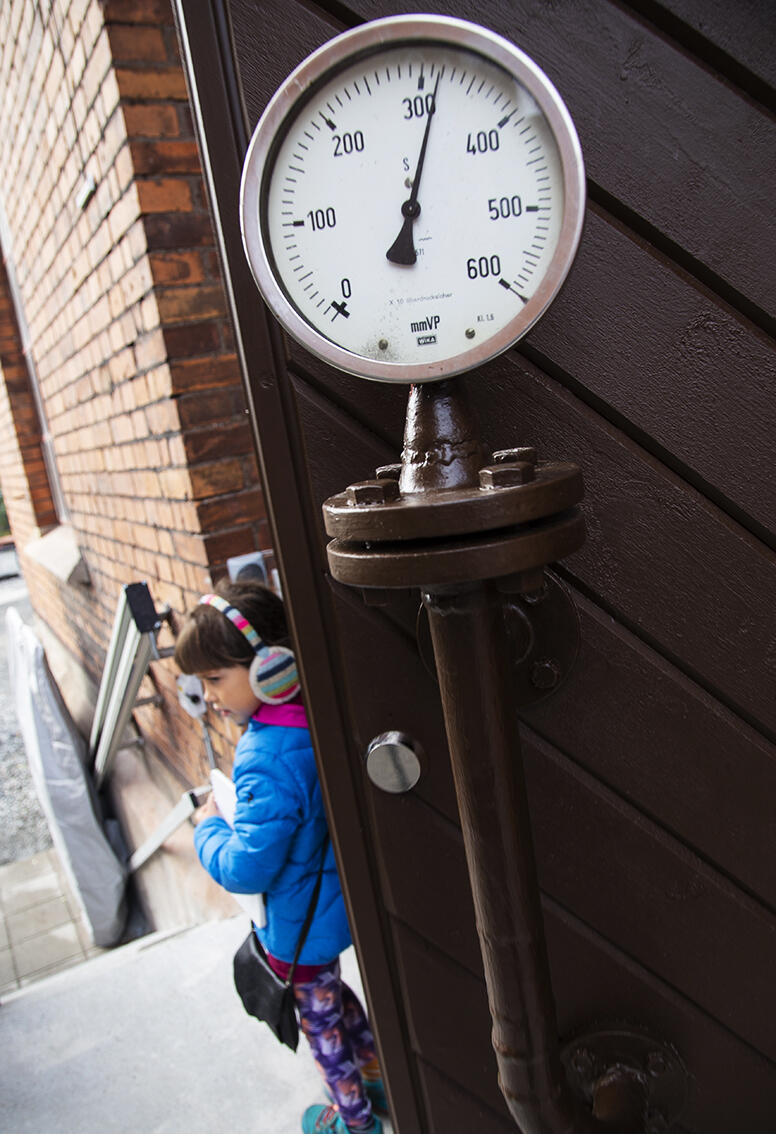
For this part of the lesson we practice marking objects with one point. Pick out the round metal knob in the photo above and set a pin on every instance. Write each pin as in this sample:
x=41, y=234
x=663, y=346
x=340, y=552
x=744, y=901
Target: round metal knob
x=392, y=762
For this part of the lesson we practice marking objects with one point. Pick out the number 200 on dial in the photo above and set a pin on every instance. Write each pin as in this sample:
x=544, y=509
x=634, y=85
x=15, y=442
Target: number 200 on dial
x=414, y=210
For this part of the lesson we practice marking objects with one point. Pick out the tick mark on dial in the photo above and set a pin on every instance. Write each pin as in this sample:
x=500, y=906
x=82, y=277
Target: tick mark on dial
x=340, y=309
x=508, y=286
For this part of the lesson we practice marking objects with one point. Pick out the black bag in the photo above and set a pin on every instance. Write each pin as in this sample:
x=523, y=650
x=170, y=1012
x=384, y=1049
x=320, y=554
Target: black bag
x=264, y=994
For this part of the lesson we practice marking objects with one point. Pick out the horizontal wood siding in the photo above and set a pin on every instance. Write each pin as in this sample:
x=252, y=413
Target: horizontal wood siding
x=652, y=771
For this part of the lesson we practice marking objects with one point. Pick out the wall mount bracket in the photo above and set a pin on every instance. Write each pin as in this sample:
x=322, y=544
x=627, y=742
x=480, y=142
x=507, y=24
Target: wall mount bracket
x=628, y=1078
x=542, y=626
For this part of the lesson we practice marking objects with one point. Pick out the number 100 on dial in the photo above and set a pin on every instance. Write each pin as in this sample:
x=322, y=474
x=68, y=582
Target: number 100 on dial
x=415, y=209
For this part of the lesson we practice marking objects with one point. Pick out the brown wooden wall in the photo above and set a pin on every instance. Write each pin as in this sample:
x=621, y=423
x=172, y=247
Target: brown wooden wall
x=652, y=772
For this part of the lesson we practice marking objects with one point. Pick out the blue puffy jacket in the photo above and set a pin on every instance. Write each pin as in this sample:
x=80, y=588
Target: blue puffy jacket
x=279, y=828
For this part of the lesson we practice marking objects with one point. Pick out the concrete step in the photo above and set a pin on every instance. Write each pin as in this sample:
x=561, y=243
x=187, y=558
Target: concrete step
x=151, y=1037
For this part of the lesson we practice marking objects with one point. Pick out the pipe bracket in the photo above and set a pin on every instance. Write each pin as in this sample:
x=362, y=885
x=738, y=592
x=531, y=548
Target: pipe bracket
x=543, y=631
x=631, y=1080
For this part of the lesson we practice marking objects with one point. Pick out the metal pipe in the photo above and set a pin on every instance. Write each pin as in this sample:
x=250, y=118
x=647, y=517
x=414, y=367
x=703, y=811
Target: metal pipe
x=472, y=658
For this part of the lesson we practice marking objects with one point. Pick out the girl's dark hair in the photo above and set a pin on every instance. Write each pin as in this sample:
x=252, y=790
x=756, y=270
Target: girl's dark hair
x=208, y=640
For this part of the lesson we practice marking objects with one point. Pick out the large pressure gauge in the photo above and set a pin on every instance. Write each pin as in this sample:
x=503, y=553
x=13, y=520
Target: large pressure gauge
x=412, y=198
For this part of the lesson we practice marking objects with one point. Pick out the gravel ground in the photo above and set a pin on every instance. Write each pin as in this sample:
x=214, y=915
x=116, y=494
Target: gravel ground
x=23, y=827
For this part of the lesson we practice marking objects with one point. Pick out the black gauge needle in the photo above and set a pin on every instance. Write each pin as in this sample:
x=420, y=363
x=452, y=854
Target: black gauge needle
x=402, y=251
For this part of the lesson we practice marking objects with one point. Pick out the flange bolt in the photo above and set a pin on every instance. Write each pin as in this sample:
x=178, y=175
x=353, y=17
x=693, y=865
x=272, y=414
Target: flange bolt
x=373, y=491
x=656, y=1122
x=506, y=475
x=545, y=673
x=519, y=453
x=584, y=1064
x=388, y=472
x=656, y=1064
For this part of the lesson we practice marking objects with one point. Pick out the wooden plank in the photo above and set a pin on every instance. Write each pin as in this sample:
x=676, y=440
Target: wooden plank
x=617, y=872
x=696, y=585
x=744, y=32
x=730, y=1087
x=451, y=1109
x=636, y=723
x=449, y=1019
x=671, y=360
x=270, y=39
x=642, y=890
x=641, y=107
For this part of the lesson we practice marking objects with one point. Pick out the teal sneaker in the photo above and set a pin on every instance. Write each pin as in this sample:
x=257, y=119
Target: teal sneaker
x=327, y=1120
x=375, y=1092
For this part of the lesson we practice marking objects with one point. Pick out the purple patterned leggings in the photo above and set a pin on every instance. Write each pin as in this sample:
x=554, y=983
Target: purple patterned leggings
x=338, y=1032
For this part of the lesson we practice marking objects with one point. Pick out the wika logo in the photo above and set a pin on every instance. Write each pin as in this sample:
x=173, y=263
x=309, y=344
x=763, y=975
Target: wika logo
x=429, y=324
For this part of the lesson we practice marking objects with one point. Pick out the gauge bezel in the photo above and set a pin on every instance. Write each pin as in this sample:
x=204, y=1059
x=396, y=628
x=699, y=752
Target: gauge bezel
x=282, y=112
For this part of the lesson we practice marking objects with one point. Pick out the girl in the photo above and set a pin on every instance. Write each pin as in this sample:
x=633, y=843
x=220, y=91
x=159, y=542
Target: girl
x=235, y=642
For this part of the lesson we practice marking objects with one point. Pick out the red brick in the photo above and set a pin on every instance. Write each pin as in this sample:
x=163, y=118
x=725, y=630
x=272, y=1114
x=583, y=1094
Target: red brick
x=220, y=547
x=164, y=195
x=194, y=338
x=218, y=441
x=136, y=83
x=177, y=267
x=227, y=511
x=207, y=408
x=204, y=373
x=153, y=121
x=137, y=11
x=185, y=230
x=215, y=479
x=134, y=42
x=177, y=304
x=165, y=157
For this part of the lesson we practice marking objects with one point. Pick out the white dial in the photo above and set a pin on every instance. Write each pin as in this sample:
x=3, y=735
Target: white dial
x=413, y=211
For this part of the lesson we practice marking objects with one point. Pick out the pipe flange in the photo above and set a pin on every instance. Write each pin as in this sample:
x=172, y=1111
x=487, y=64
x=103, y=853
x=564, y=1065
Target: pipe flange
x=508, y=493
x=430, y=563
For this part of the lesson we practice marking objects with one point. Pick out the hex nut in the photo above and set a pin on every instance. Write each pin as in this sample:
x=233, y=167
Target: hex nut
x=506, y=475
x=373, y=492
x=388, y=472
x=583, y=1063
x=656, y=1064
x=656, y=1122
x=520, y=453
x=545, y=673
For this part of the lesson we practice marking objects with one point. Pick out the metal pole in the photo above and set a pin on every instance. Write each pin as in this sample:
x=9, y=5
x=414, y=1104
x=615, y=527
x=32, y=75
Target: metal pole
x=472, y=657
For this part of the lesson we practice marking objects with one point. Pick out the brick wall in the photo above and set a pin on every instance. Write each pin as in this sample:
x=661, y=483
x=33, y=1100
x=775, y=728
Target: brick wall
x=22, y=471
x=128, y=325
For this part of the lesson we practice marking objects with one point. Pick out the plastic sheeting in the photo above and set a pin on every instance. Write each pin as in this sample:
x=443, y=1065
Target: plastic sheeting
x=57, y=756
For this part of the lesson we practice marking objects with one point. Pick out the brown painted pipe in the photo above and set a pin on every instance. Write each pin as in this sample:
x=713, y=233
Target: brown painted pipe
x=473, y=665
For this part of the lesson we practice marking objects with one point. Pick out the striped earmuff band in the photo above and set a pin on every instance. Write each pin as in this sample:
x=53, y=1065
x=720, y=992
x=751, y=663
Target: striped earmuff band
x=273, y=673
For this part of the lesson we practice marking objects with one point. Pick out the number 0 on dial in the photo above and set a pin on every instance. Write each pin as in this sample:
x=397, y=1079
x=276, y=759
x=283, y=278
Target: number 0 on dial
x=412, y=198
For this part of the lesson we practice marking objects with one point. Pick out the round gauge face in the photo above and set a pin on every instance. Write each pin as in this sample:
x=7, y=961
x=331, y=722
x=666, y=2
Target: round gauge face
x=412, y=199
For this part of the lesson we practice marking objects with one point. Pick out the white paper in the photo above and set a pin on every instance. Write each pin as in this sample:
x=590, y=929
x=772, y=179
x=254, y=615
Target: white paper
x=225, y=795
